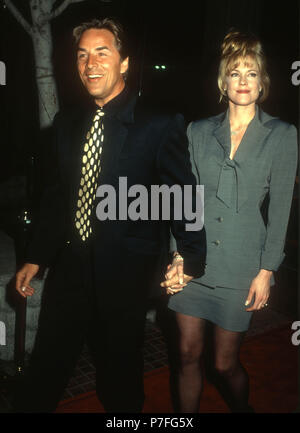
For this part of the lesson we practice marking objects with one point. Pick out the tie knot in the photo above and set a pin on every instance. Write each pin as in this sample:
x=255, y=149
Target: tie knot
x=99, y=113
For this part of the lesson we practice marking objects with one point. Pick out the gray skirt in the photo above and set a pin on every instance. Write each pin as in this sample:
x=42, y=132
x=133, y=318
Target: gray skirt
x=222, y=306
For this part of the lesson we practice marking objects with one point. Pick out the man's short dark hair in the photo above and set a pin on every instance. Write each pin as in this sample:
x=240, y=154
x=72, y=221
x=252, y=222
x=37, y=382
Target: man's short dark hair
x=109, y=24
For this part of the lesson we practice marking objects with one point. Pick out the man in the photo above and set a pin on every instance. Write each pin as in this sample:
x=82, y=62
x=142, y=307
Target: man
x=101, y=271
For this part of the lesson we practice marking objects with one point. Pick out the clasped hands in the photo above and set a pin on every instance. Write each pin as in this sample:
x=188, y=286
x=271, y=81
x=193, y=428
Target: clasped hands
x=176, y=279
x=259, y=291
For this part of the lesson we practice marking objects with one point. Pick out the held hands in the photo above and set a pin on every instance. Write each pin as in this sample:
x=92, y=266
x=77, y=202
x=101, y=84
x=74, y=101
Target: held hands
x=176, y=279
x=260, y=289
x=23, y=278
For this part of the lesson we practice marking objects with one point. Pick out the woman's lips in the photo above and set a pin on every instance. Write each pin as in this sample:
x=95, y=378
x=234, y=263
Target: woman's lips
x=243, y=91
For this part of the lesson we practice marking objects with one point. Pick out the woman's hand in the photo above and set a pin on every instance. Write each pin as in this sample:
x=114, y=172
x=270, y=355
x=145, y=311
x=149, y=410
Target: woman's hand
x=175, y=277
x=260, y=288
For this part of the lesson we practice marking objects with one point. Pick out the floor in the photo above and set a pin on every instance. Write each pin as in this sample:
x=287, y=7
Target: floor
x=155, y=350
x=155, y=355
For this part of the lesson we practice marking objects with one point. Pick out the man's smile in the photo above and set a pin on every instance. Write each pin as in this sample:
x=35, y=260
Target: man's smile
x=94, y=76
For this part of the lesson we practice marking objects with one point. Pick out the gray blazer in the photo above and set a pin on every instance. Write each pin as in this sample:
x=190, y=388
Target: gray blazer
x=238, y=242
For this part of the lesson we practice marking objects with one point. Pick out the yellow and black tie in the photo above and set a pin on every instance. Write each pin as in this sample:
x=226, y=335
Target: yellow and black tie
x=90, y=170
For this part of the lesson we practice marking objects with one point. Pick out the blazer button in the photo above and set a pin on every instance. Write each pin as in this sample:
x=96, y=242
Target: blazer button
x=220, y=219
x=217, y=242
x=68, y=242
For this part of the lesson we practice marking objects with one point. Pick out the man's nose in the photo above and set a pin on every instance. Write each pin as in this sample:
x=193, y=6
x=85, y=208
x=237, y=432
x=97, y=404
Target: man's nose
x=91, y=61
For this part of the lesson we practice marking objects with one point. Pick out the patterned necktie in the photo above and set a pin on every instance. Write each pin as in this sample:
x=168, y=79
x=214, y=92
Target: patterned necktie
x=90, y=170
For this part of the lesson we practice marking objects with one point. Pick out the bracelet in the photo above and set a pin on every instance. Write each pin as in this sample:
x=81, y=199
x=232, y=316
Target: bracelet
x=177, y=258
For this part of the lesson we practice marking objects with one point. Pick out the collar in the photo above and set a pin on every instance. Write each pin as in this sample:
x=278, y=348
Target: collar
x=230, y=171
x=260, y=116
x=120, y=107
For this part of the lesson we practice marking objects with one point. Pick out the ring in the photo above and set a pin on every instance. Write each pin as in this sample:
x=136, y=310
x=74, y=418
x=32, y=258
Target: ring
x=23, y=289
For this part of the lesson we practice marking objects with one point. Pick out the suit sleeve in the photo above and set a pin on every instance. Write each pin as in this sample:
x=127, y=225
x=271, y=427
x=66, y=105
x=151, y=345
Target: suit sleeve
x=174, y=166
x=49, y=225
x=282, y=183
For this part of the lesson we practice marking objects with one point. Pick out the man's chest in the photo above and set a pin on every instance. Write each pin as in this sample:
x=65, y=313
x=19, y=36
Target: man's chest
x=126, y=151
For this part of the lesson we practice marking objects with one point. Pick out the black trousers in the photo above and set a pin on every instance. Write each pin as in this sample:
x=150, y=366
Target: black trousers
x=69, y=317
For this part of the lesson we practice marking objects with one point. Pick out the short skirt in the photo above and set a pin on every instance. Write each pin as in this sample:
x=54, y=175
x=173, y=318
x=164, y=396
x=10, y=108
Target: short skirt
x=224, y=307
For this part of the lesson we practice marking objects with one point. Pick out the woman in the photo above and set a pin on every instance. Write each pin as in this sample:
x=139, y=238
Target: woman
x=240, y=157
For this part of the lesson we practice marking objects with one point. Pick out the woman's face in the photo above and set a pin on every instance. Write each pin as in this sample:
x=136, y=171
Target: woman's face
x=243, y=83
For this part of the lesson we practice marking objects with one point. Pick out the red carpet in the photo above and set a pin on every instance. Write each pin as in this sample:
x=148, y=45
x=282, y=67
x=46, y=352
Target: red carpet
x=271, y=362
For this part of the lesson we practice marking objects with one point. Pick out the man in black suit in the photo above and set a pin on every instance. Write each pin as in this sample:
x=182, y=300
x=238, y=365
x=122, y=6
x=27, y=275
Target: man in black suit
x=101, y=272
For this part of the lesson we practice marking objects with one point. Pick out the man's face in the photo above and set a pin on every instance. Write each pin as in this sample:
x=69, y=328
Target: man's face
x=100, y=66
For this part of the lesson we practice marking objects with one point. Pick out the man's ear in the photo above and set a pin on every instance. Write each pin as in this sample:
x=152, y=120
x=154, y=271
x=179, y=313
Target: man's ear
x=124, y=65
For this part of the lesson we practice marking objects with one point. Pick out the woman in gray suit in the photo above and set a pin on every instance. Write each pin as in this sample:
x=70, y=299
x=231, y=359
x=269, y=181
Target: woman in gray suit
x=240, y=157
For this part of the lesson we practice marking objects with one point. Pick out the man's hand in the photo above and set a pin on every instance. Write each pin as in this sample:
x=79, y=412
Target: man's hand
x=173, y=286
x=175, y=277
x=23, y=278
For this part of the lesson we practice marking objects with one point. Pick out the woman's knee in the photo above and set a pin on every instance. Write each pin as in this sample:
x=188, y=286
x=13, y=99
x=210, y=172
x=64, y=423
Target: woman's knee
x=225, y=369
x=190, y=353
x=191, y=338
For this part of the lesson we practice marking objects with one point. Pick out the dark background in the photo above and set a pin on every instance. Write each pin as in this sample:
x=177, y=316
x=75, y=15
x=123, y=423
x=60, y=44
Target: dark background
x=185, y=36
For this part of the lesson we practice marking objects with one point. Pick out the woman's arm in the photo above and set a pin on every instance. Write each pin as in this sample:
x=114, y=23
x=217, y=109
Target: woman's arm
x=283, y=173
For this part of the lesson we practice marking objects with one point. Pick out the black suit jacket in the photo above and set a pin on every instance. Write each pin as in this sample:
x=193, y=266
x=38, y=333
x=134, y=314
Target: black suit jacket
x=146, y=147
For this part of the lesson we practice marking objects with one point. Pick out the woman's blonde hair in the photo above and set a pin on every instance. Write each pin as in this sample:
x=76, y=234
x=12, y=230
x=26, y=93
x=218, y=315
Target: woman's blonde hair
x=238, y=46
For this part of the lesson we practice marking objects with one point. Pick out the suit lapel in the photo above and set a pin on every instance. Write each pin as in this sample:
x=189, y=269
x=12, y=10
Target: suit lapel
x=253, y=138
x=116, y=123
x=115, y=134
x=231, y=171
x=116, y=126
x=71, y=148
x=222, y=131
